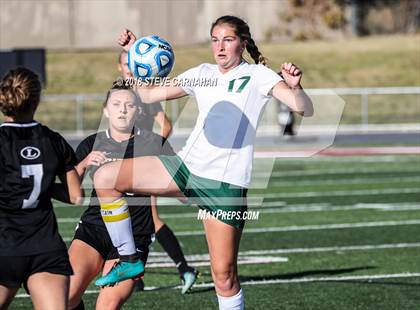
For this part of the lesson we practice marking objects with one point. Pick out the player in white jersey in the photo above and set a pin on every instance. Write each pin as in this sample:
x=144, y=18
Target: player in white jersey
x=216, y=161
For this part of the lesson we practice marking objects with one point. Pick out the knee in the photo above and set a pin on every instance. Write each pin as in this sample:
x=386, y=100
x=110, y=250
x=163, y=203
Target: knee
x=103, y=178
x=109, y=303
x=225, y=280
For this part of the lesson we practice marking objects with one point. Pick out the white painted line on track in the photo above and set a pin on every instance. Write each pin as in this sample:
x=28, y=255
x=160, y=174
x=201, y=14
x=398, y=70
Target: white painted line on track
x=323, y=279
x=324, y=172
x=204, y=260
x=367, y=192
x=353, y=181
x=162, y=257
x=306, y=227
x=312, y=227
x=288, y=281
x=281, y=207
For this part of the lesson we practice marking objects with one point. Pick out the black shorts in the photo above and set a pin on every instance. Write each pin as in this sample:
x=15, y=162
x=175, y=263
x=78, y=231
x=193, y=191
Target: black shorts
x=15, y=270
x=98, y=238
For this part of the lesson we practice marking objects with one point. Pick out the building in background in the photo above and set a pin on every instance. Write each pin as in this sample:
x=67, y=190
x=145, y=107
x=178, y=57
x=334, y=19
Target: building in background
x=80, y=24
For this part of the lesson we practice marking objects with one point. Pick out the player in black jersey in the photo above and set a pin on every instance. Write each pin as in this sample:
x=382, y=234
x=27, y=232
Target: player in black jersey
x=31, y=156
x=148, y=113
x=91, y=250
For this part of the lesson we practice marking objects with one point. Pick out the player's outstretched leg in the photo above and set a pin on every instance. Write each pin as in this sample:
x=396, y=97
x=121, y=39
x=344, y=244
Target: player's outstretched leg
x=117, y=220
x=144, y=175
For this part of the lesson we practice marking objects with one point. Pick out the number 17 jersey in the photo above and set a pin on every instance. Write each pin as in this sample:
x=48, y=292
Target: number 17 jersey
x=31, y=156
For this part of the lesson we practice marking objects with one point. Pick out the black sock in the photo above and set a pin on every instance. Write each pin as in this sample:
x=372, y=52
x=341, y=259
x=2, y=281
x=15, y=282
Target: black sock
x=170, y=244
x=129, y=258
x=80, y=306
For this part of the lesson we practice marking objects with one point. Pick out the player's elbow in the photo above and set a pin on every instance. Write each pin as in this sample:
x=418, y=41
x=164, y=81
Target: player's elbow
x=308, y=112
x=167, y=129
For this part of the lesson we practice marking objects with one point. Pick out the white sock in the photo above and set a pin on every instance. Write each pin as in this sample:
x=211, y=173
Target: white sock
x=235, y=302
x=116, y=217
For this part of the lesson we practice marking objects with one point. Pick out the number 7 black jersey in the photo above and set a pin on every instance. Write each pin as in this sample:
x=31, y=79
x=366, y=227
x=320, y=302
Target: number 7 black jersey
x=31, y=156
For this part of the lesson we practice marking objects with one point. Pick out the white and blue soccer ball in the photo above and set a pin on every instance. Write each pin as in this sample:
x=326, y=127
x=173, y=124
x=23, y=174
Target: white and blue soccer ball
x=150, y=57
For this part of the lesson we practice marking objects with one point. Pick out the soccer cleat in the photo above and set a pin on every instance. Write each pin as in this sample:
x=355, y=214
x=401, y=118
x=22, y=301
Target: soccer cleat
x=188, y=280
x=121, y=271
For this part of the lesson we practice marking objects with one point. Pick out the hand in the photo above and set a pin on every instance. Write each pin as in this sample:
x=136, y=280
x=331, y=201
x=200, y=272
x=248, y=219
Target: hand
x=95, y=158
x=126, y=39
x=291, y=74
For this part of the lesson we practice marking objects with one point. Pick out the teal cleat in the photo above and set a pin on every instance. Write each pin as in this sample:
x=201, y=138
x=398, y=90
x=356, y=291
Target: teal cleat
x=188, y=280
x=121, y=271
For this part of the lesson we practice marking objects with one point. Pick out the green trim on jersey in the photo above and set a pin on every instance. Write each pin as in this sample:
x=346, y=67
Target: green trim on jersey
x=217, y=198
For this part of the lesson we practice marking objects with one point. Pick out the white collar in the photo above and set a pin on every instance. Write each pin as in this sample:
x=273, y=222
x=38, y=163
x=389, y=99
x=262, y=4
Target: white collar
x=22, y=125
x=135, y=129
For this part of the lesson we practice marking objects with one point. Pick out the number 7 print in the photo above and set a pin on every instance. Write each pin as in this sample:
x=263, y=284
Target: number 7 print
x=242, y=86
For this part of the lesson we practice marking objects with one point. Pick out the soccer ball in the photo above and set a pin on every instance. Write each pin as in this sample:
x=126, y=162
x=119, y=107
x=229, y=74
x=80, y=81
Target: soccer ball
x=150, y=57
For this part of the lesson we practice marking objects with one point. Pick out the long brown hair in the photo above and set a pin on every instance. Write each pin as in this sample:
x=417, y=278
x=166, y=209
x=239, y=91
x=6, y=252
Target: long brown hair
x=241, y=29
x=20, y=92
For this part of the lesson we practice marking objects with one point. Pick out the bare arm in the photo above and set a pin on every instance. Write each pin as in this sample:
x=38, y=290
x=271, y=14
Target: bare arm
x=74, y=187
x=291, y=92
x=164, y=123
x=69, y=190
x=95, y=158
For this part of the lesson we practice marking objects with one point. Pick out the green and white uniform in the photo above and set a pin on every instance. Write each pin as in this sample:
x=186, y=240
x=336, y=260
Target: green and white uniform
x=219, y=151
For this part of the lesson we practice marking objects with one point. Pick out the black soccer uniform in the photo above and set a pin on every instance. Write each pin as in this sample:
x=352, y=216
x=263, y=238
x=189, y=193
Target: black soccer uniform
x=91, y=228
x=147, y=113
x=31, y=156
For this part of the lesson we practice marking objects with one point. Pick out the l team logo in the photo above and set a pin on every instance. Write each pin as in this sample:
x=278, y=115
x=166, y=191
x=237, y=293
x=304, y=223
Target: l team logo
x=30, y=153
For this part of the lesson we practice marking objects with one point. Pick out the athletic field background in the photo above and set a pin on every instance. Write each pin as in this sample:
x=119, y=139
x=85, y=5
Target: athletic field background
x=334, y=232
x=378, y=61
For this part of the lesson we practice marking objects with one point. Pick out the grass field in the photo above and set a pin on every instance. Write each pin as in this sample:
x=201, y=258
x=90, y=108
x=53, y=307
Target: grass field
x=333, y=233
x=356, y=62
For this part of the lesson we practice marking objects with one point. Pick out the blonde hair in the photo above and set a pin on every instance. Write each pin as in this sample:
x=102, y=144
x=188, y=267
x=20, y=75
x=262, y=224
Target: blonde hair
x=20, y=92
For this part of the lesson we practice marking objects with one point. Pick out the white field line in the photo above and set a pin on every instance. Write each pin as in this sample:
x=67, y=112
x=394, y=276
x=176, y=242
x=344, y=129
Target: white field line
x=251, y=196
x=165, y=201
x=286, y=281
x=367, y=192
x=282, y=207
x=204, y=260
x=323, y=172
x=321, y=279
x=162, y=257
x=312, y=227
x=306, y=227
x=292, y=209
x=352, y=181
x=334, y=248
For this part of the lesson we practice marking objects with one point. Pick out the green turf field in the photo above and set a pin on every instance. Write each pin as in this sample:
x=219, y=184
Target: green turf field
x=332, y=233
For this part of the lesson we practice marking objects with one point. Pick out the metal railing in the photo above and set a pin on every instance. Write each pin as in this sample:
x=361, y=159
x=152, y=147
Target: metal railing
x=77, y=113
